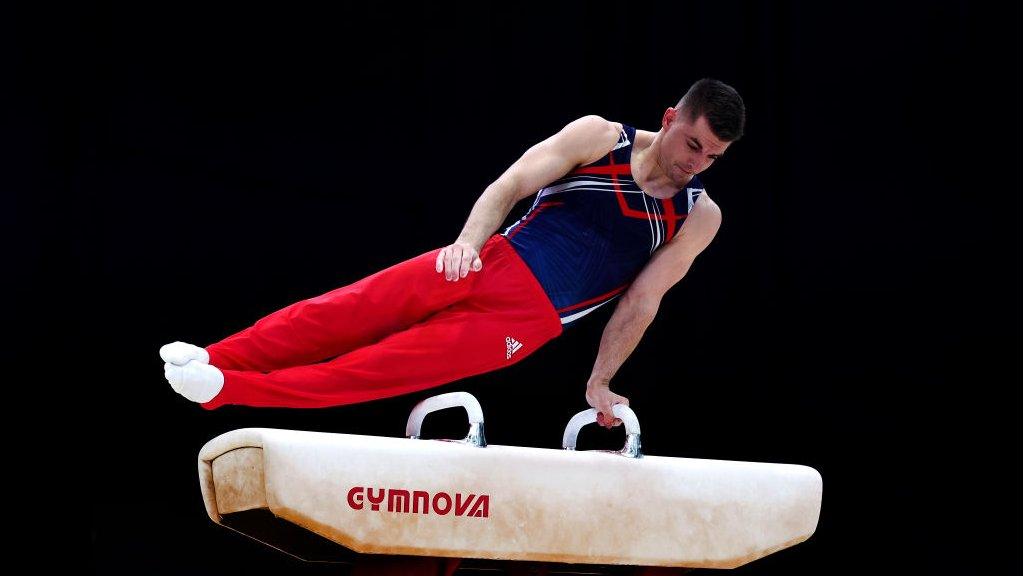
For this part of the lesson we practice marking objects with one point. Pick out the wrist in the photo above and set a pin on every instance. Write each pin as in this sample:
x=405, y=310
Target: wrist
x=462, y=239
x=598, y=382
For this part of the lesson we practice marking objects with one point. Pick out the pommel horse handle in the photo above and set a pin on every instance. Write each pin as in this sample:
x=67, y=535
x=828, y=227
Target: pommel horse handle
x=589, y=416
x=449, y=400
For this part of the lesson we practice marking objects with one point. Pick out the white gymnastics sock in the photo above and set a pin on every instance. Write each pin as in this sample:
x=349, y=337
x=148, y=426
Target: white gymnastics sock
x=196, y=381
x=179, y=353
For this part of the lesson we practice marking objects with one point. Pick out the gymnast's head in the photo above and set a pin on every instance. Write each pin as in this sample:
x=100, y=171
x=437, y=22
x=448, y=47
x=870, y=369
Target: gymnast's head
x=697, y=131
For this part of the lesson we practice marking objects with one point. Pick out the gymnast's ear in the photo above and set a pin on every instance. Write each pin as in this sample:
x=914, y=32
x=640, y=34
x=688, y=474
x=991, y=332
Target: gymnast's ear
x=670, y=116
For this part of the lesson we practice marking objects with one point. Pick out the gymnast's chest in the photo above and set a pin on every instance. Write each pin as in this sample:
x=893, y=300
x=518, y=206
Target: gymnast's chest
x=637, y=219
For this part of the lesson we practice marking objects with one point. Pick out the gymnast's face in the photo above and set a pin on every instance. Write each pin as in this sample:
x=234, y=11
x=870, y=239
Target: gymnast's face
x=688, y=148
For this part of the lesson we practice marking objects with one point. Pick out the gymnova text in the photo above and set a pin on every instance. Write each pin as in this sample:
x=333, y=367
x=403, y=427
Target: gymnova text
x=399, y=500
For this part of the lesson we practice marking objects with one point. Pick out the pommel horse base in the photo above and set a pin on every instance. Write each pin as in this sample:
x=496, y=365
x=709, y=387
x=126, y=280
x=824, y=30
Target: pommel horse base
x=330, y=497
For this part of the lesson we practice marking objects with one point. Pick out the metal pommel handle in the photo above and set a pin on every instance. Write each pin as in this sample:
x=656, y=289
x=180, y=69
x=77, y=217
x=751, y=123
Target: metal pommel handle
x=622, y=412
x=449, y=400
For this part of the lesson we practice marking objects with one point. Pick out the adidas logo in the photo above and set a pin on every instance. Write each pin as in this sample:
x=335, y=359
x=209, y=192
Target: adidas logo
x=511, y=347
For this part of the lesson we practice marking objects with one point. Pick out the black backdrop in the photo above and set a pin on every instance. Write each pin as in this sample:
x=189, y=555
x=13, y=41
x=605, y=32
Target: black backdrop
x=179, y=171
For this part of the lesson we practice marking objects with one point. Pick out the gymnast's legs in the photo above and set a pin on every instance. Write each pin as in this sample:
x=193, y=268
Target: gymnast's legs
x=400, y=330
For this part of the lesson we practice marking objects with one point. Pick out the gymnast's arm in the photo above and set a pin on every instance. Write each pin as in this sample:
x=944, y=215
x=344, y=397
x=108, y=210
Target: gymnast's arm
x=580, y=142
x=636, y=309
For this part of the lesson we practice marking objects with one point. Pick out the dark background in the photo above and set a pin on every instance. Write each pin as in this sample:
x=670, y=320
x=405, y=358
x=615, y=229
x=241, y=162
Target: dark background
x=177, y=171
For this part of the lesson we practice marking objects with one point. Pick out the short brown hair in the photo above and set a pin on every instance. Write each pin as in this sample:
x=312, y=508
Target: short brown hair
x=719, y=103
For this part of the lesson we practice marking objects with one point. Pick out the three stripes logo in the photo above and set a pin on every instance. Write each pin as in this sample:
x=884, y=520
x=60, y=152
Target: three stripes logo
x=511, y=347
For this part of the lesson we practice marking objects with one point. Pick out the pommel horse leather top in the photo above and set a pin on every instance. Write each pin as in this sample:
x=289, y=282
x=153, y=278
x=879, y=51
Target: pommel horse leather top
x=307, y=492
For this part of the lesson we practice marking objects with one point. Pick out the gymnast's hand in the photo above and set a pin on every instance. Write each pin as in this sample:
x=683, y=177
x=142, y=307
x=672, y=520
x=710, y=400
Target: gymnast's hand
x=457, y=260
x=602, y=399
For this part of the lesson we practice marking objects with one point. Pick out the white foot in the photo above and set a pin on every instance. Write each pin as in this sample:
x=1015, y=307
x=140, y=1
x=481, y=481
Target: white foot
x=180, y=353
x=195, y=380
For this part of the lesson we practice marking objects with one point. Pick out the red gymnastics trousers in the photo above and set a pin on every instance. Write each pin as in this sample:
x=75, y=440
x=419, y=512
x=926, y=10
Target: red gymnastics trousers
x=401, y=330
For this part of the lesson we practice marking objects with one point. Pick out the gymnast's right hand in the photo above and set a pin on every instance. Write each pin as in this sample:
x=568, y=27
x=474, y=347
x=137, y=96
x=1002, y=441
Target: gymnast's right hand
x=457, y=260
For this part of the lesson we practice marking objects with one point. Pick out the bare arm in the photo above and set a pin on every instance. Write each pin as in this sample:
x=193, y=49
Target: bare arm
x=579, y=142
x=638, y=306
x=489, y=212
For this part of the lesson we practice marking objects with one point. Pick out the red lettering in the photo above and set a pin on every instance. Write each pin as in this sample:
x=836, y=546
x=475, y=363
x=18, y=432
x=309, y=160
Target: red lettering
x=481, y=508
x=420, y=496
x=399, y=497
x=355, y=497
x=470, y=505
x=375, y=501
x=461, y=505
x=448, y=503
